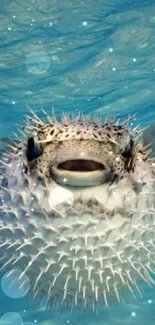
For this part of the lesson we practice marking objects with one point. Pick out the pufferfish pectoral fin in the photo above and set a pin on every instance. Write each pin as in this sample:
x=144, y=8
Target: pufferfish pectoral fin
x=149, y=137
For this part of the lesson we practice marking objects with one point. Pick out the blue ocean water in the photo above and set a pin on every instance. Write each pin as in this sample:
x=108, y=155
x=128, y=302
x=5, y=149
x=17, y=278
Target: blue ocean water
x=87, y=55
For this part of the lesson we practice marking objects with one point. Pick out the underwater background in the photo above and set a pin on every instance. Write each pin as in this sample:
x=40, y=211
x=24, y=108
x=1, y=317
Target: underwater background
x=96, y=56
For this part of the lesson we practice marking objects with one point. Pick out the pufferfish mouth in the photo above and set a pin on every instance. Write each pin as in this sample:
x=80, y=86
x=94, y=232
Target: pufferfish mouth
x=81, y=165
x=79, y=172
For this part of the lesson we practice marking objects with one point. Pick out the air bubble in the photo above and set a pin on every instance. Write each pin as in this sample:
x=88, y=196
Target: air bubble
x=14, y=286
x=10, y=319
x=38, y=62
x=60, y=199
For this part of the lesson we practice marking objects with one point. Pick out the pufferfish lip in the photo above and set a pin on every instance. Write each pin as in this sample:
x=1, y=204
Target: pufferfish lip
x=79, y=172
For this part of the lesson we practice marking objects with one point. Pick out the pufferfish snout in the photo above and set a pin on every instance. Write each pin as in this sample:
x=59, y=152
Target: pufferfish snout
x=78, y=211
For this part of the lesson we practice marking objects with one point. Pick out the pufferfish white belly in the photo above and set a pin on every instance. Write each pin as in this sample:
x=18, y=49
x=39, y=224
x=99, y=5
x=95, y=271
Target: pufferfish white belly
x=78, y=210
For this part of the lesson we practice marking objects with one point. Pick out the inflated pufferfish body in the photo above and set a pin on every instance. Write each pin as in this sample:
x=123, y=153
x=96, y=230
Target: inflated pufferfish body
x=78, y=211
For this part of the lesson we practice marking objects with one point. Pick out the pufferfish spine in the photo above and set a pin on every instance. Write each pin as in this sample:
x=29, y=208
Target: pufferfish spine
x=86, y=237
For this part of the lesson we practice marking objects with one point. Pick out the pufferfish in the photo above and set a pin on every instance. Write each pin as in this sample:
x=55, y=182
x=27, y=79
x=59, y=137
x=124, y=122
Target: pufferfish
x=77, y=209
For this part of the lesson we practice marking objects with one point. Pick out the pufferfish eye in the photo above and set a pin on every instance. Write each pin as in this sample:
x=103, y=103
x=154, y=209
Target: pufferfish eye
x=126, y=145
x=127, y=152
x=33, y=150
